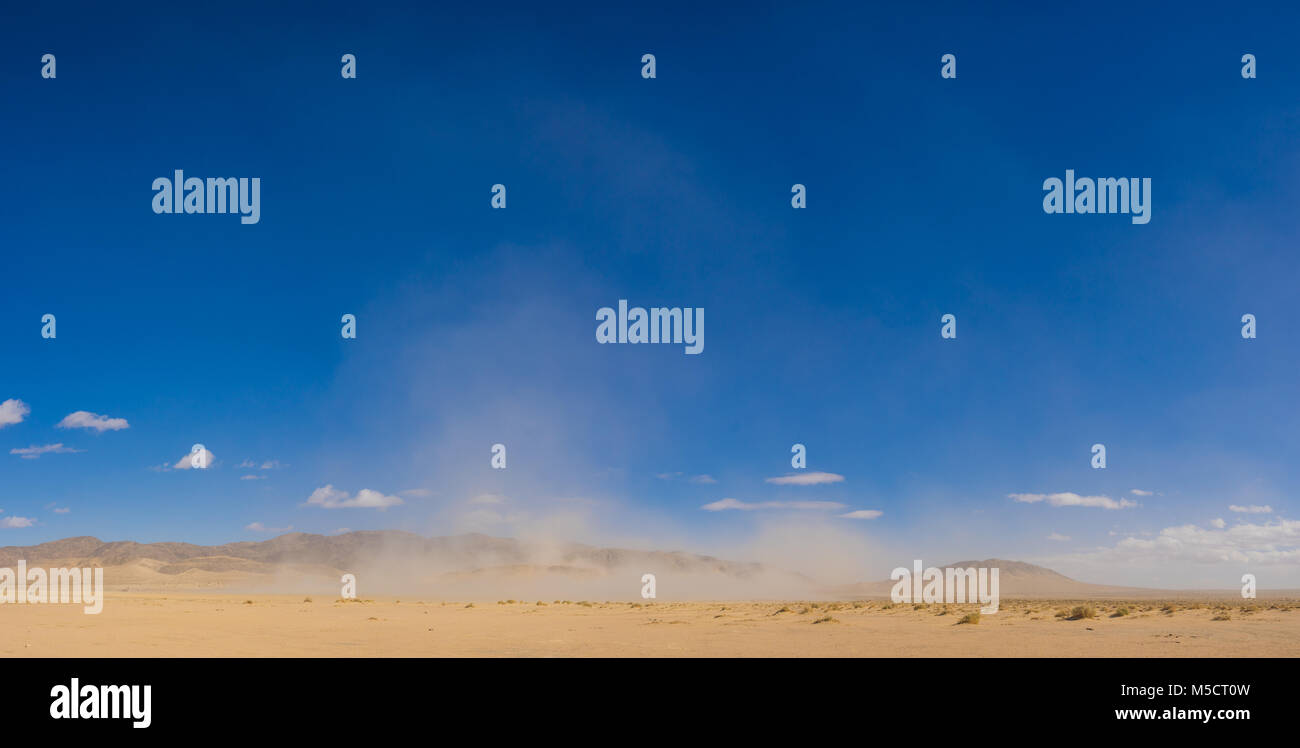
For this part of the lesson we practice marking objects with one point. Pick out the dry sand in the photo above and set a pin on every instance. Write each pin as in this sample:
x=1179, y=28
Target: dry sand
x=203, y=624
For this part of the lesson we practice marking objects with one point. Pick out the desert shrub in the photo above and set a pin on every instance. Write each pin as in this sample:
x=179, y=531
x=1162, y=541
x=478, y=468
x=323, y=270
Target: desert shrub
x=1083, y=611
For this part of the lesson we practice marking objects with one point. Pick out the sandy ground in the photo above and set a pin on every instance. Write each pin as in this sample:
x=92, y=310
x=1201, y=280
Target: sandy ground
x=223, y=625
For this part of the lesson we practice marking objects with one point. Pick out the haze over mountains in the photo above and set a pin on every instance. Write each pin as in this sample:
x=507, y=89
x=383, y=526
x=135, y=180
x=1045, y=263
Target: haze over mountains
x=477, y=566
x=472, y=565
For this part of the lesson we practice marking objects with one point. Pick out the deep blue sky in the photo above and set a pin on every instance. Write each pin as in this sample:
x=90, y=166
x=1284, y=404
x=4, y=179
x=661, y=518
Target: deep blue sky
x=477, y=326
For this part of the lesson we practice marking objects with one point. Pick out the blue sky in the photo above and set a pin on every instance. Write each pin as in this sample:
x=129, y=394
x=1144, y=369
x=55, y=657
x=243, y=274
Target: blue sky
x=476, y=326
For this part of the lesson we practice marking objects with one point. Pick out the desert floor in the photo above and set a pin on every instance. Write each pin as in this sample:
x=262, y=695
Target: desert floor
x=222, y=625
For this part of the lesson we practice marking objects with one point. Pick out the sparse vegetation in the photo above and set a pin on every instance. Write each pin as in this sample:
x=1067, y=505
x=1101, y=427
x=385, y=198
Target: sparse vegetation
x=1120, y=613
x=827, y=619
x=1081, y=612
x=971, y=618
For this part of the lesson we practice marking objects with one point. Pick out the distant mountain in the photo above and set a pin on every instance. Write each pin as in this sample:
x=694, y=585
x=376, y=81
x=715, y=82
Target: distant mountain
x=457, y=553
x=1015, y=579
x=477, y=565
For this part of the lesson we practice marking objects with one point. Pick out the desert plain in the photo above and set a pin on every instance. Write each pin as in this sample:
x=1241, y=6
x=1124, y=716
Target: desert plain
x=205, y=624
x=475, y=597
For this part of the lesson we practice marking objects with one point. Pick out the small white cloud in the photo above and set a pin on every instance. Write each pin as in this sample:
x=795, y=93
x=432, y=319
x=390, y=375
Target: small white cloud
x=329, y=497
x=252, y=477
x=259, y=527
x=246, y=464
x=271, y=465
x=14, y=522
x=747, y=506
x=806, y=479
x=33, y=452
x=61, y=510
x=205, y=461
x=13, y=411
x=84, y=419
x=1140, y=492
x=1251, y=509
x=1073, y=499
x=416, y=493
x=668, y=476
x=862, y=514
x=706, y=480
x=1058, y=536
x=1218, y=523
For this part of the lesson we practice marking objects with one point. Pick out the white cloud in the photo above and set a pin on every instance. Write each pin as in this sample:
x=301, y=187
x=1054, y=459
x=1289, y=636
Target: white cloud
x=61, y=510
x=1251, y=509
x=34, y=452
x=252, y=477
x=205, y=462
x=1271, y=543
x=1140, y=492
x=1072, y=499
x=13, y=522
x=1219, y=523
x=862, y=514
x=330, y=497
x=259, y=527
x=725, y=504
x=701, y=479
x=13, y=411
x=806, y=479
x=1058, y=536
x=271, y=465
x=83, y=419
